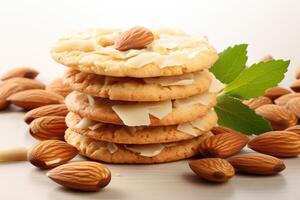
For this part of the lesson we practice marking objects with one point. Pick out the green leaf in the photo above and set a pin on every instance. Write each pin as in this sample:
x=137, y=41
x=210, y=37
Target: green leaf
x=232, y=113
x=231, y=62
x=253, y=81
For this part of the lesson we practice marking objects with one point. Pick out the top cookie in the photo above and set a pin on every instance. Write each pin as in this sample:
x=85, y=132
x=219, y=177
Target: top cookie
x=167, y=53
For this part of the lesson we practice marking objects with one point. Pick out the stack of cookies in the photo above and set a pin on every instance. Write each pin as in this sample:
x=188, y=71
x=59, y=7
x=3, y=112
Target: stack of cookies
x=139, y=96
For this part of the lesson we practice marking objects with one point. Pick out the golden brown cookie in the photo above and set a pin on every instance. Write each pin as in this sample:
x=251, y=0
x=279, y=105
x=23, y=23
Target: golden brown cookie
x=140, y=113
x=137, y=89
x=171, y=53
x=139, y=135
x=134, y=154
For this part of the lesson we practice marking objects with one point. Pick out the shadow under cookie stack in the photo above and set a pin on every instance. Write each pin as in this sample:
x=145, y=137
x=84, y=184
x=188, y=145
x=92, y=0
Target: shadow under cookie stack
x=139, y=96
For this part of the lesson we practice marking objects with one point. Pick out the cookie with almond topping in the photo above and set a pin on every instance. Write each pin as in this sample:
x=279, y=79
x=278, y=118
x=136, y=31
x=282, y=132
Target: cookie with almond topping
x=134, y=154
x=137, y=89
x=141, y=135
x=127, y=113
x=137, y=52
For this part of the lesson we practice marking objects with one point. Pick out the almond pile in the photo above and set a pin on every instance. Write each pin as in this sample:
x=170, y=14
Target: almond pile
x=46, y=120
x=281, y=107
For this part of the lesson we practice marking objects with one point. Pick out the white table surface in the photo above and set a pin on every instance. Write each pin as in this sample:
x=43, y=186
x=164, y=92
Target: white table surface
x=29, y=28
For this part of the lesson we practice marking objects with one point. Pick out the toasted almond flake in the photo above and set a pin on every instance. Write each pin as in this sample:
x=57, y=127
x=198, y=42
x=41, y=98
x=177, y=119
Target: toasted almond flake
x=188, y=128
x=73, y=45
x=96, y=126
x=111, y=51
x=84, y=123
x=205, y=123
x=112, y=148
x=138, y=114
x=133, y=115
x=172, y=42
x=185, y=79
x=160, y=109
x=216, y=85
x=142, y=59
x=91, y=100
x=147, y=150
x=173, y=59
x=204, y=99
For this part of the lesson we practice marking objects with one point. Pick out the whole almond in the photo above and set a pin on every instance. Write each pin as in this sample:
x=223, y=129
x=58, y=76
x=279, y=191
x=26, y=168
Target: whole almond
x=257, y=163
x=257, y=102
x=14, y=85
x=267, y=58
x=279, y=117
x=134, y=38
x=293, y=106
x=57, y=86
x=294, y=129
x=275, y=92
x=282, y=101
x=277, y=143
x=221, y=129
x=25, y=72
x=223, y=145
x=13, y=154
x=48, y=127
x=297, y=73
x=84, y=175
x=49, y=110
x=51, y=153
x=295, y=86
x=30, y=99
x=212, y=169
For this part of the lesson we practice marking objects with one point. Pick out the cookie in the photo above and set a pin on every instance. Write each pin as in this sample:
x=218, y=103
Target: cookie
x=140, y=113
x=134, y=154
x=137, y=89
x=139, y=135
x=171, y=53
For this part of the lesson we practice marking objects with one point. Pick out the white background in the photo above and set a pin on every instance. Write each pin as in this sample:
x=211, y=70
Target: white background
x=30, y=27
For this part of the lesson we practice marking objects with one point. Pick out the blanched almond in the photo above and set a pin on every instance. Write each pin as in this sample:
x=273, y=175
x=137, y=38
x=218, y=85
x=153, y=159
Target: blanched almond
x=13, y=154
